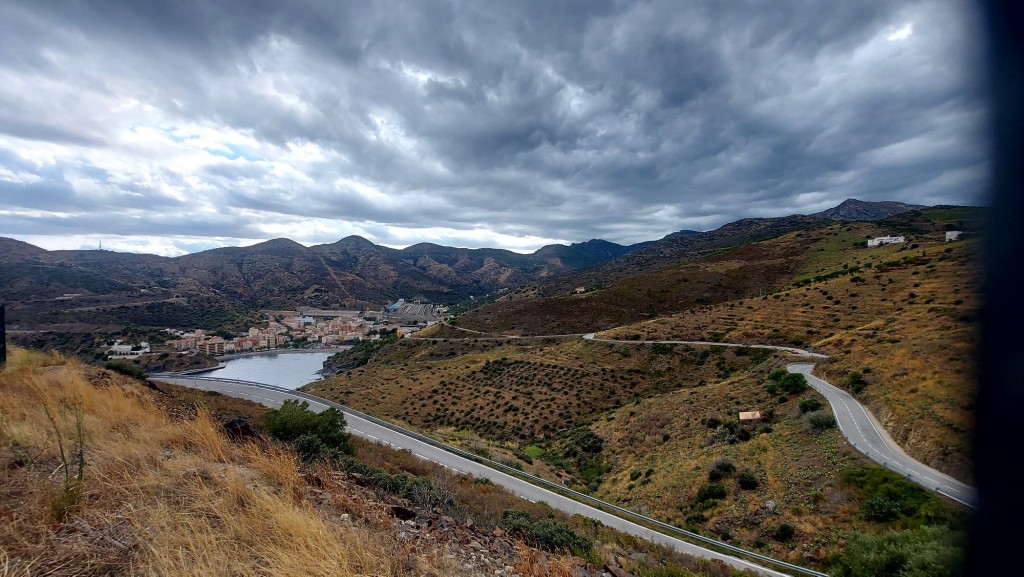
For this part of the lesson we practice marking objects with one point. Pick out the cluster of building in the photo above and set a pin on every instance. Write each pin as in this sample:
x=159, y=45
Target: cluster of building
x=256, y=339
x=313, y=327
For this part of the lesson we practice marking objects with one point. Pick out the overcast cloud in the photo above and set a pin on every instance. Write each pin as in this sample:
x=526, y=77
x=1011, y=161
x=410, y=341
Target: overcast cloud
x=178, y=126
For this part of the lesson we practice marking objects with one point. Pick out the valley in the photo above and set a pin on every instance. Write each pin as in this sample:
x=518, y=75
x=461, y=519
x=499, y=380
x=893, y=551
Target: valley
x=662, y=419
x=564, y=377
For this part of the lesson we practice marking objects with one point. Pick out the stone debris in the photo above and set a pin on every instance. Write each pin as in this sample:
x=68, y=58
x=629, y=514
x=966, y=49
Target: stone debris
x=460, y=548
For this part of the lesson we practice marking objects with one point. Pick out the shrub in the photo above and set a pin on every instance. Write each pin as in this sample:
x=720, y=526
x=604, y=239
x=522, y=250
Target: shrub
x=856, y=381
x=784, y=532
x=721, y=469
x=636, y=474
x=555, y=535
x=881, y=508
x=709, y=492
x=550, y=534
x=584, y=448
x=793, y=383
x=777, y=375
x=125, y=368
x=923, y=552
x=820, y=421
x=724, y=466
x=748, y=481
x=808, y=405
x=316, y=437
x=888, y=496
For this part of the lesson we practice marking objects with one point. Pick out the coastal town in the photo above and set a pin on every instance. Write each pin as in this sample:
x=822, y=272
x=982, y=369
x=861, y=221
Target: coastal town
x=305, y=327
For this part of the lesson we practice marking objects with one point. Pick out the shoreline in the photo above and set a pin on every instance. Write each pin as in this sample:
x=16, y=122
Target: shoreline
x=233, y=356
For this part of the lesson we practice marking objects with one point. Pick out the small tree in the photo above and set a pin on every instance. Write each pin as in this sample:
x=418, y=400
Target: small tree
x=315, y=436
x=721, y=468
x=808, y=405
x=856, y=382
x=747, y=480
x=820, y=421
x=784, y=532
x=793, y=383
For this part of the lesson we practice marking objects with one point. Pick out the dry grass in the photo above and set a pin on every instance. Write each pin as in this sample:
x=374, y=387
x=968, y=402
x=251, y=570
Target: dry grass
x=534, y=563
x=159, y=497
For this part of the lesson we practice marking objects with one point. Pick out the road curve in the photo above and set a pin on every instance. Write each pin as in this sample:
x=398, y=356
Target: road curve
x=863, y=432
x=275, y=397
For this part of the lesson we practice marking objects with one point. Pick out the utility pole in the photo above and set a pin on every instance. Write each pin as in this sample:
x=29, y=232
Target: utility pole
x=3, y=336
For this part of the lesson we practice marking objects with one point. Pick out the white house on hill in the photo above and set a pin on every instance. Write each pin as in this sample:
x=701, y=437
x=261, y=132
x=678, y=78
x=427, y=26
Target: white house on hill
x=886, y=240
x=952, y=235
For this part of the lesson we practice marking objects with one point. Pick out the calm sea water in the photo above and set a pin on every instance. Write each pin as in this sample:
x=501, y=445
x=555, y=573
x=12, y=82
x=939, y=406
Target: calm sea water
x=288, y=370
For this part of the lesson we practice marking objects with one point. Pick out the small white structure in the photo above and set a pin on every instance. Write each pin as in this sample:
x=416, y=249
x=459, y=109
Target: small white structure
x=886, y=240
x=119, y=350
x=952, y=235
x=750, y=417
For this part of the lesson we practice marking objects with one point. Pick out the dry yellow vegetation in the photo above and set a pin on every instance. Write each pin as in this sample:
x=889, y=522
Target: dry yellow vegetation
x=158, y=496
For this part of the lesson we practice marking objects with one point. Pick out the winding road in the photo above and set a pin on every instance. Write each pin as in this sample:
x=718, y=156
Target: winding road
x=866, y=435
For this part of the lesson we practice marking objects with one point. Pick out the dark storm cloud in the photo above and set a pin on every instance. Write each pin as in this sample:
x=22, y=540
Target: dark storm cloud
x=545, y=120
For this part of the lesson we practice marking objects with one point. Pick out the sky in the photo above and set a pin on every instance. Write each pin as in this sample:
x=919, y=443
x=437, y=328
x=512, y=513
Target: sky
x=179, y=126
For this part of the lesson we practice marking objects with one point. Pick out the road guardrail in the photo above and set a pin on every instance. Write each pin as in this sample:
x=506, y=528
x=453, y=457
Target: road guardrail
x=540, y=481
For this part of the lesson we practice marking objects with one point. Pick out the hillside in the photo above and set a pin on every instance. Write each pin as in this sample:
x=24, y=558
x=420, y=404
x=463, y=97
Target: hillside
x=644, y=426
x=898, y=320
x=158, y=495
x=119, y=288
x=350, y=273
x=164, y=491
x=675, y=249
x=743, y=259
x=712, y=275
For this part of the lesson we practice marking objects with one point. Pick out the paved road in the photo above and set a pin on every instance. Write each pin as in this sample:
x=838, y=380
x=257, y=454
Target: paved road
x=374, y=432
x=792, y=350
x=862, y=431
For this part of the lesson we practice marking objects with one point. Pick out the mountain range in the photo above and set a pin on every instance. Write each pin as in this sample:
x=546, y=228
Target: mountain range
x=352, y=272
x=356, y=273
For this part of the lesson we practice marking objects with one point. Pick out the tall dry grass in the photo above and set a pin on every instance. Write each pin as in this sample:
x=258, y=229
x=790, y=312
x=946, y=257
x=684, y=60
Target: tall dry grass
x=159, y=497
